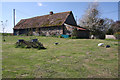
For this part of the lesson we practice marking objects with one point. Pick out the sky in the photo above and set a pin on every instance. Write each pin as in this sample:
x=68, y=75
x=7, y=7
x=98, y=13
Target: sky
x=26, y=10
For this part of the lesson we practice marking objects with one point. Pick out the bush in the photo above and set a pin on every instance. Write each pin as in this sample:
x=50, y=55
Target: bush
x=7, y=34
x=53, y=36
x=60, y=36
x=22, y=35
x=73, y=37
x=117, y=35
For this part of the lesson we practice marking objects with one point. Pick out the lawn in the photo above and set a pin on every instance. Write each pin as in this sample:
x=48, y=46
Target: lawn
x=71, y=58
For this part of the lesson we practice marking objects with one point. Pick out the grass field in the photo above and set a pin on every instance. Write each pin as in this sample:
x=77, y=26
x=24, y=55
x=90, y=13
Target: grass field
x=72, y=58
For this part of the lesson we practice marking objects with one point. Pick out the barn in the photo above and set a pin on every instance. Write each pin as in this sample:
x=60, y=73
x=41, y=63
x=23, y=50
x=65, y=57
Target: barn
x=51, y=24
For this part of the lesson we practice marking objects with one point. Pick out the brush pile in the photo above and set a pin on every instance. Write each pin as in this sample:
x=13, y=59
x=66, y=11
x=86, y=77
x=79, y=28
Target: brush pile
x=34, y=43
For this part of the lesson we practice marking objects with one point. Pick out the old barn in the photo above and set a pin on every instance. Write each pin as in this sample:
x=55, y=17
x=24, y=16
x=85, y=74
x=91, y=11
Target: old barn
x=51, y=24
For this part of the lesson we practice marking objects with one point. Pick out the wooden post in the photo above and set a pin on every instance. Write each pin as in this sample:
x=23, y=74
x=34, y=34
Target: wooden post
x=14, y=17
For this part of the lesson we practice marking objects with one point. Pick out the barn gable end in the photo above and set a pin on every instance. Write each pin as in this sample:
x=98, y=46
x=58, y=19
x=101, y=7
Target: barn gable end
x=70, y=20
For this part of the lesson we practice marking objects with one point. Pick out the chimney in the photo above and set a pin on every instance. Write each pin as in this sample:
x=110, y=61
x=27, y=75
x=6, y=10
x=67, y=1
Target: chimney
x=51, y=12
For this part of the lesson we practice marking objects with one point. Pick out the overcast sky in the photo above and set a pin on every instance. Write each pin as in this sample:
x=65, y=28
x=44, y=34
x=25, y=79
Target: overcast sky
x=31, y=9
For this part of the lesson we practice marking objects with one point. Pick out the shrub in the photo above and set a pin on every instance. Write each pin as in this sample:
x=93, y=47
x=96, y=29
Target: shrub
x=73, y=37
x=117, y=35
x=60, y=36
x=22, y=35
x=7, y=34
x=53, y=36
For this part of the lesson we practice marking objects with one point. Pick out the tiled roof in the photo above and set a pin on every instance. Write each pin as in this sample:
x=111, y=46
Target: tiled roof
x=56, y=19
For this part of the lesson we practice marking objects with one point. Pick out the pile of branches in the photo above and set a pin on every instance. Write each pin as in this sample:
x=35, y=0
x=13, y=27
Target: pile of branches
x=34, y=43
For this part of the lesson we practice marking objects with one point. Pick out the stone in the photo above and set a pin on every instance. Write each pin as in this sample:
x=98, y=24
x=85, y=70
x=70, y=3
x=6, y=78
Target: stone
x=56, y=43
x=107, y=46
x=100, y=44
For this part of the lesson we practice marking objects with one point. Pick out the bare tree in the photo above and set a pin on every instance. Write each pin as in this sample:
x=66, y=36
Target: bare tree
x=92, y=21
x=90, y=18
x=3, y=26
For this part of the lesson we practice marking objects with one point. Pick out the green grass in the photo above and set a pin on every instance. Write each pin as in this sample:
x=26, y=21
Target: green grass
x=112, y=39
x=72, y=58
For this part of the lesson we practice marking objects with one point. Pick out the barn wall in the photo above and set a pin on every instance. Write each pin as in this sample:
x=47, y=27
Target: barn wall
x=16, y=32
x=68, y=29
x=47, y=31
x=58, y=30
x=20, y=31
x=23, y=31
x=83, y=34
